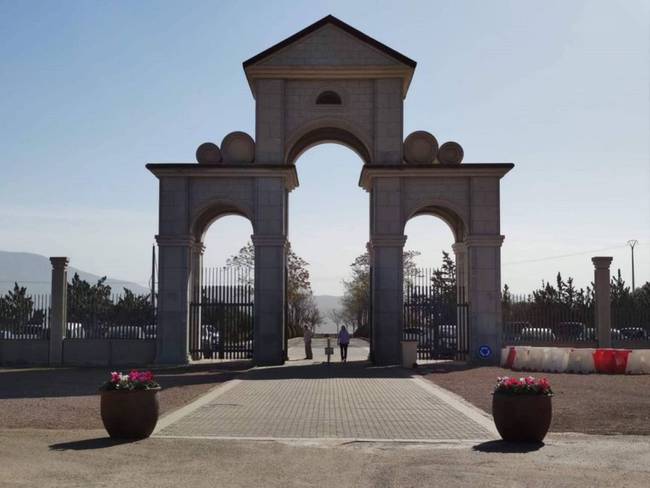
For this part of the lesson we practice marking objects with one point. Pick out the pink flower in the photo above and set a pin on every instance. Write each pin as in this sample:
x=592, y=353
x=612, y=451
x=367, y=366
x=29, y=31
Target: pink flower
x=115, y=377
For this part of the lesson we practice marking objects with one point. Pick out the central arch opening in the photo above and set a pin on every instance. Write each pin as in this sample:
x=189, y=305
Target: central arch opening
x=323, y=135
x=329, y=228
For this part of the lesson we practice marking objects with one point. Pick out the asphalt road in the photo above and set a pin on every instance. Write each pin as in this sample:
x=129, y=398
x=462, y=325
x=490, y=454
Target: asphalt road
x=86, y=458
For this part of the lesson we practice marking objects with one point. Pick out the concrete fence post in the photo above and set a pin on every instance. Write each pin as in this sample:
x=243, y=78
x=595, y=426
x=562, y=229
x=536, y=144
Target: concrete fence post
x=59, y=306
x=602, y=308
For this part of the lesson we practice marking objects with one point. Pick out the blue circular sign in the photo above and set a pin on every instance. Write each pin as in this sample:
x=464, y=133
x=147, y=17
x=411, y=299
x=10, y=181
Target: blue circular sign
x=485, y=351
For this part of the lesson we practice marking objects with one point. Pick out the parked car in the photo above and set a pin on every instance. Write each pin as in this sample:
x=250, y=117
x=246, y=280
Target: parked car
x=150, y=331
x=512, y=329
x=124, y=332
x=33, y=331
x=209, y=340
x=75, y=330
x=5, y=335
x=574, y=331
x=634, y=334
x=536, y=334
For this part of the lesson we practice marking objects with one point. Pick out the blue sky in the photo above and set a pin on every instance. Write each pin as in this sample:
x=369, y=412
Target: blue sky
x=91, y=91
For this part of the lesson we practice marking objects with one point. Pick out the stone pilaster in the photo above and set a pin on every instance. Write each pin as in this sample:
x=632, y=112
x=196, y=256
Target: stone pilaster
x=387, y=297
x=460, y=252
x=59, y=305
x=484, y=295
x=174, y=274
x=602, y=310
x=270, y=297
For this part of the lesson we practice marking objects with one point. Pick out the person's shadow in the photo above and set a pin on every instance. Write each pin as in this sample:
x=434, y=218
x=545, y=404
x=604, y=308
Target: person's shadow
x=508, y=447
x=85, y=444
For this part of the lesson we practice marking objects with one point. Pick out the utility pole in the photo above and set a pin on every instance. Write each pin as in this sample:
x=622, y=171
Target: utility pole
x=632, y=243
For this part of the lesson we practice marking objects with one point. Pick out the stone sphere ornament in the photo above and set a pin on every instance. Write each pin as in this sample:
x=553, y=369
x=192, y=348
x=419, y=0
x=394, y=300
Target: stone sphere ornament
x=420, y=147
x=450, y=153
x=208, y=153
x=238, y=147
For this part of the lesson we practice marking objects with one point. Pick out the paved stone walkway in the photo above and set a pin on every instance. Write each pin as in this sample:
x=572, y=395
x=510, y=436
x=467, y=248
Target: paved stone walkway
x=351, y=401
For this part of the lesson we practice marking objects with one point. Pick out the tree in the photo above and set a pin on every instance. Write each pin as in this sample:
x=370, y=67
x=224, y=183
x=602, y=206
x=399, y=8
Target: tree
x=301, y=307
x=355, y=304
x=444, y=279
x=88, y=304
x=132, y=309
x=16, y=307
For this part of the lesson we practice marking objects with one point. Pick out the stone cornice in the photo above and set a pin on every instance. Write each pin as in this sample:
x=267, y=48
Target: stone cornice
x=269, y=240
x=602, y=262
x=183, y=240
x=431, y=171
x=484, y=240
x=381, y=240
x=59, y=262
x=329, y=72
x=252, y=170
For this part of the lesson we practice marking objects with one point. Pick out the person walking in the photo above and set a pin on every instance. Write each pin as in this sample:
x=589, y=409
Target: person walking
x=307, y=335
x=344, y=340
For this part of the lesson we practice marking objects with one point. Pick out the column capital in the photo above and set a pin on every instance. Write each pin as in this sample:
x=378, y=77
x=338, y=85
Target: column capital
x=382, y=240
x=198, y=246
x=602, y=262
x=484, y=240
x=178, y=240
x=459, y=247
x=269, y=240
x=59, y=262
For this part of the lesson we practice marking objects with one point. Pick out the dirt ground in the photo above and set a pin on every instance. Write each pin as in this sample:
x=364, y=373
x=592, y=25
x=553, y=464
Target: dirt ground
x=588, y=403
x=68, y=399
x=58, y=458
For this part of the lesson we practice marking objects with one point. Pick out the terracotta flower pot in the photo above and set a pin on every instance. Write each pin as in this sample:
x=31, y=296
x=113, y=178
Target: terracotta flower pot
x=130, y=414
x=522, y=418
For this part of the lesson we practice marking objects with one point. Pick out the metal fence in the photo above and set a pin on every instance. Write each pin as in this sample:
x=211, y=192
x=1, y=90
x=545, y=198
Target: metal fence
x=26, y=318
x=221, y=319
x=631, y=324
x=119, y=316
x=527, y=322
x=435, y=316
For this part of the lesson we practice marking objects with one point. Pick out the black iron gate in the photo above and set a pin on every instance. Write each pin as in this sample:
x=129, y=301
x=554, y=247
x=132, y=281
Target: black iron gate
x=436, y=317
x=221, y=318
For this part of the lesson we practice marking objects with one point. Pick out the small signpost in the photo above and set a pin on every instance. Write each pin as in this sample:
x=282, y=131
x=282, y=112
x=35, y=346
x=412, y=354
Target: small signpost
x=329, y=350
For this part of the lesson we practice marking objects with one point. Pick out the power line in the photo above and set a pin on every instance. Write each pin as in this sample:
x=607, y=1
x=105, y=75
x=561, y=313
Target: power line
x=549, y=258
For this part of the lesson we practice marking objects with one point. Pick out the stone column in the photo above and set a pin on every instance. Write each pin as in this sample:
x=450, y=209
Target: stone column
x=270, y=265
x=59, y=308
x=387, y=297
x=174, y=273
x=460, y=251
x=197, y=271
x=602, y=308
x=484, y=296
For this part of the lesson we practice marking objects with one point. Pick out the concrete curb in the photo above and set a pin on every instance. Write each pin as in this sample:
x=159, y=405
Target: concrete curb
x=176, y=415
x=460, y=404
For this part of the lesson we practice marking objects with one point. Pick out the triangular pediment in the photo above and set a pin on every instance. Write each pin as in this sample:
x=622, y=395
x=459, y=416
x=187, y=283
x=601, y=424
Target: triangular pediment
x=330, y=48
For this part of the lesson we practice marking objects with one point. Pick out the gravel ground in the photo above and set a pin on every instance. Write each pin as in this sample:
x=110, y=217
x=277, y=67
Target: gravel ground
x=590, y=404
x=68, y=399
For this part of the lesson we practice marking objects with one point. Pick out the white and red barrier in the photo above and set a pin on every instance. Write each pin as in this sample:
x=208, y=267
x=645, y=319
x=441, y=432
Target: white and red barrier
x=576, y=360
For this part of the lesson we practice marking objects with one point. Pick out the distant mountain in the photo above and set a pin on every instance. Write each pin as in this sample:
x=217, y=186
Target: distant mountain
x=325, y=303
x=34, y=272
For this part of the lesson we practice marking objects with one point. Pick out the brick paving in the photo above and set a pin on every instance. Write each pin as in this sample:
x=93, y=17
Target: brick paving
x=351, y=401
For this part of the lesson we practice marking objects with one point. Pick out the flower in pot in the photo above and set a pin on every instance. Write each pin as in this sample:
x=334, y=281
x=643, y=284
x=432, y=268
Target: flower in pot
x=129, y=404
x=522, y=408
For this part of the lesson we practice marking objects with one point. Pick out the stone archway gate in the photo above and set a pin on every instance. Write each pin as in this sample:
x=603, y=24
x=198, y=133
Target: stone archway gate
x=328, y=83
